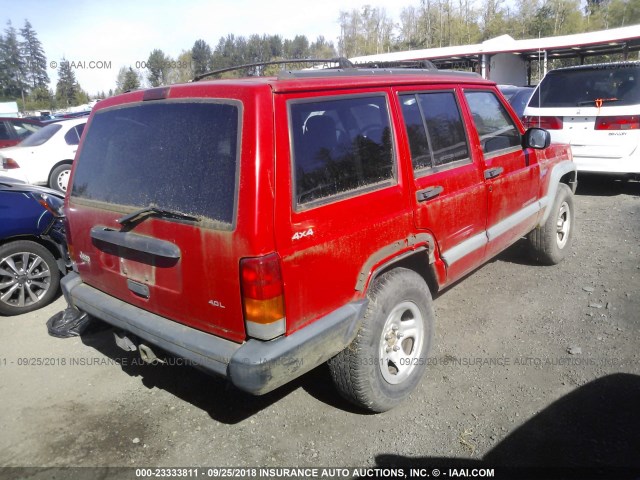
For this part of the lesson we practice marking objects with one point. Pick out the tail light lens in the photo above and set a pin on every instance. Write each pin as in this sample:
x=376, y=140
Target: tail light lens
x=9, y=163
x=621, y=122
x=548, y=123
x=262, y=296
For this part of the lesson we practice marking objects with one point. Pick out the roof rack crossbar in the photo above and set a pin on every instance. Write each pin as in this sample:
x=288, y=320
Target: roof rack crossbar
x=340, y=61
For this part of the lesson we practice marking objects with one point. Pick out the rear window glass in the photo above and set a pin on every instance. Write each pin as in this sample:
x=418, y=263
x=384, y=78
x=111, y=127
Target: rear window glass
x=173, y=155
x=24, y=129
x=41, y=136
x=340, y=146
x=612, y=85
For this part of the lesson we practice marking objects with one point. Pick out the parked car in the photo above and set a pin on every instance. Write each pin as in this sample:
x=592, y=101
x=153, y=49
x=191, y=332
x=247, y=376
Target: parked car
x=33, y=252
x=15, y=130
x=596, y=109
x=45, y=158
x=259, y=227
x=518, y=97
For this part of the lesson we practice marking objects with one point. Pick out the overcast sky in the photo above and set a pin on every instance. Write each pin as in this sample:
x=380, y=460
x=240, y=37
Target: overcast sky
x=124, y=32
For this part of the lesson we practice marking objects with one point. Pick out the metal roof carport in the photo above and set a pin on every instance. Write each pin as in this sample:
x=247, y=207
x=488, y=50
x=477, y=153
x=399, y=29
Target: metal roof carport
x=508, y=61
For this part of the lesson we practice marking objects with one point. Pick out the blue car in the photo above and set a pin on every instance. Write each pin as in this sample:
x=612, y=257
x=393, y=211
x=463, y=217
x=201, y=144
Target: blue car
x=33, y=251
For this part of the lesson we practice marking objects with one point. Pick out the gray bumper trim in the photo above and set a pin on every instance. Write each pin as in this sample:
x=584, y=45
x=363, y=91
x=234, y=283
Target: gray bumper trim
x=259, y=367
x=255, y=366
x=208, y=351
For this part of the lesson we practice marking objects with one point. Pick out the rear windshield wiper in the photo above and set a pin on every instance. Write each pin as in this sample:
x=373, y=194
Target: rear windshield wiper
x=160, y=212
x=595, y=101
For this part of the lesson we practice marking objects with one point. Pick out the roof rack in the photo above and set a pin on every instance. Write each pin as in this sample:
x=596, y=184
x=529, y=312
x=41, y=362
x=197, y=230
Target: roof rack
x=340, y=62
x=340, y=66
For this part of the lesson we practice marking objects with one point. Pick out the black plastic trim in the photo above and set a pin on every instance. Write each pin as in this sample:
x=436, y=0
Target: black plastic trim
x=133, y=241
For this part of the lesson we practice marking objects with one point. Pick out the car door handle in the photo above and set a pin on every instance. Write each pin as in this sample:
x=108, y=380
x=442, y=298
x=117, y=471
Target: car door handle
x=493, y=172
x=429, y=193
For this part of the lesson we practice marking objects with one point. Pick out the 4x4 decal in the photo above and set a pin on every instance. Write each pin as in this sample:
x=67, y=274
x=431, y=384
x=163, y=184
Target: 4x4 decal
x=299, y=235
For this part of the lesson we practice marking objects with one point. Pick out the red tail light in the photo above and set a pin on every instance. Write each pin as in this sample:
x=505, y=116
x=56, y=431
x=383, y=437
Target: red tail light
x=548, y=123
x=9, y=163
x=262, y=296
x=621, y=122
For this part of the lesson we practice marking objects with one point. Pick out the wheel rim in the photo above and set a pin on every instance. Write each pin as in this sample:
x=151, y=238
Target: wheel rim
x=401, y=343
x=563, y=225
x=24, y=279
x=63, y=180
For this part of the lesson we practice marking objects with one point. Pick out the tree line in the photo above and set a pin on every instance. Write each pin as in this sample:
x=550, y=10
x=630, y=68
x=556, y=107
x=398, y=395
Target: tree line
x=23, y=73
x=363, y=31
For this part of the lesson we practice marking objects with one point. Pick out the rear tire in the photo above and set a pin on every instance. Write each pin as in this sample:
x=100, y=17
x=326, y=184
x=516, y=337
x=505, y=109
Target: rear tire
x=29, y=277
x=551, y=243
x=59, y=178
x=388, y=357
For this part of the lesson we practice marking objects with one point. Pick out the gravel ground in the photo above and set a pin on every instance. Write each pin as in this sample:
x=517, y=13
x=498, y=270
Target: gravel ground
x=531, y=366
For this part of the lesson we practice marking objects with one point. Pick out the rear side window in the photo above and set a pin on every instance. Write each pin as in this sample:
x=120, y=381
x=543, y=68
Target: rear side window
x=173, y=155
x=435, y=129
x=614, y=85
x=340, y=146
x=72, y=137
x=494, y=125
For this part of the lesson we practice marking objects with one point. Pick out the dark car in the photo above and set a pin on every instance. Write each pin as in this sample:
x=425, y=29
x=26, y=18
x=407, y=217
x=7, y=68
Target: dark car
x=33, y=252
x=14, y=130
x=518, y=97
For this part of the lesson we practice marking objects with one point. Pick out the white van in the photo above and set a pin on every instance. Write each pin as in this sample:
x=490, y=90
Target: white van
x=595, y=109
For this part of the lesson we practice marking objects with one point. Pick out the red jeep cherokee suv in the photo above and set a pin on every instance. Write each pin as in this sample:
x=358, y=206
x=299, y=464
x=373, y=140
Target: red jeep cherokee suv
x=261, y=226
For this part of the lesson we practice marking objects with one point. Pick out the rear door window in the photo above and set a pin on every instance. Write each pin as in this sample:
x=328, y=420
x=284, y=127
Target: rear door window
x=435, y=129
x=341, y=146
x=181, y=156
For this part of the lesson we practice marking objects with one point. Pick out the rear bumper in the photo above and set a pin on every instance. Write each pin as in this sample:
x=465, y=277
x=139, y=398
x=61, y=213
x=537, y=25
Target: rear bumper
x=586, y=161
x=254, y=366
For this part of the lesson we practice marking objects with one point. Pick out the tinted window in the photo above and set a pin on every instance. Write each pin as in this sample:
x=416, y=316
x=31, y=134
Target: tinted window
x=614, y=85
x=41, y=136
x=4, y=132
x=24, y=129
x=178, y=156
x=494, y=125
x=435, y=129
x=340, y=145
x=72, y=137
